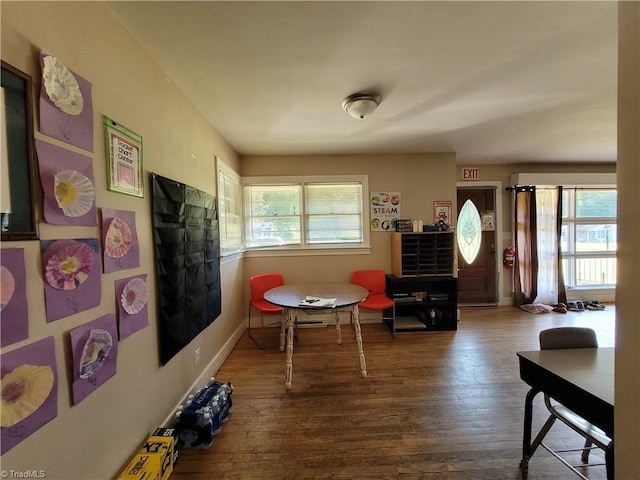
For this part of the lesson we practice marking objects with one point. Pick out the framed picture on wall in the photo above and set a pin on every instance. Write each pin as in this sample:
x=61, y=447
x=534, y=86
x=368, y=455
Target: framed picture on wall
x=442, y=211
x=124, y=159
x=488, y=221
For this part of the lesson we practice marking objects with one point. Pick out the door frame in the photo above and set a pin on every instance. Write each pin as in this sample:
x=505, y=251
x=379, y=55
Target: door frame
x=503, y=238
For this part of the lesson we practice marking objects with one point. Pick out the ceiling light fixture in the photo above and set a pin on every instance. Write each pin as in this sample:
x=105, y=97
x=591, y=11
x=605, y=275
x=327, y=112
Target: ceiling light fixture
x=361, y=104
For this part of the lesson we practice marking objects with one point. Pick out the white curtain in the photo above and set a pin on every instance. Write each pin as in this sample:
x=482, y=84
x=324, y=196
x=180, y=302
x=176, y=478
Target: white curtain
x=547, y=238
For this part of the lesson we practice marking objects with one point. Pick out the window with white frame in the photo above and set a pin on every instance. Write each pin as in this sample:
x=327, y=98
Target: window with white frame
x=230, y=209
x=294, y=212
x=589, y=240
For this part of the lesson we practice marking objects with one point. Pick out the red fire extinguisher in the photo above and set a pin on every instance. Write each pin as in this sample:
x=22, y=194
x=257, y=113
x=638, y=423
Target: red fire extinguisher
x=509, y=256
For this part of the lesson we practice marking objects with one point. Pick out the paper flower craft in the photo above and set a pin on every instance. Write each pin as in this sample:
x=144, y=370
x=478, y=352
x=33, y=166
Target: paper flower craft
x=134, y=296
x=118, y=238
x=7, y=286
x=95, y=352
x=70, y=266
x=61, y=86
x=24, y=390
x=74, y=192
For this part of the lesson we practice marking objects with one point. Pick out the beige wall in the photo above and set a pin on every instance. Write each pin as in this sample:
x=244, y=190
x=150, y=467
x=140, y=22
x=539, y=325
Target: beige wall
x=93, y=439
x=627, y=394
x=420, y=179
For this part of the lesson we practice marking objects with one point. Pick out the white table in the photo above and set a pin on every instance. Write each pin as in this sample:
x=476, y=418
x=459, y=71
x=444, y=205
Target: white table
x=347, y=298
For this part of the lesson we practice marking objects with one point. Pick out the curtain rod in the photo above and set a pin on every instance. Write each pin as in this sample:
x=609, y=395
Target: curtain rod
x=551, y=187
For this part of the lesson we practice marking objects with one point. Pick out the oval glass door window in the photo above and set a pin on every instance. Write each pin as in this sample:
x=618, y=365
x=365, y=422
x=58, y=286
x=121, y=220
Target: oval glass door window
x=469, y=231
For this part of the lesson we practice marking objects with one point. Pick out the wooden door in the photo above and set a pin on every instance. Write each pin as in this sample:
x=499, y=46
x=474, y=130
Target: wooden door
x=477, y=281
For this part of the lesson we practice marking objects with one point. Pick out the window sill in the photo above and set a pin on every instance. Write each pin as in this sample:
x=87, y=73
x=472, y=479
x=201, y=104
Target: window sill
x=305, y=252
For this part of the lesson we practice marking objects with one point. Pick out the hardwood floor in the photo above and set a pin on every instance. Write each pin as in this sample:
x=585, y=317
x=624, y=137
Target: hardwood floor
x=435, y=405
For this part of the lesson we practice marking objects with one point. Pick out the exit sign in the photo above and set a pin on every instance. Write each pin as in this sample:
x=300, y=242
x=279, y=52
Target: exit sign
x=470, y=173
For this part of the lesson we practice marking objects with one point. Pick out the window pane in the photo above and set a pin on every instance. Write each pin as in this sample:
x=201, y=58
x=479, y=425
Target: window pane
x=269, y=231
x=334, y=213
x=334, y=228
x=595, y=271
x=469, y=232
x=596, y=238
x=274, y=215
x=564, y=239
x=596, y=203
x=274, y=200
x=230, y=214
x=565, y=204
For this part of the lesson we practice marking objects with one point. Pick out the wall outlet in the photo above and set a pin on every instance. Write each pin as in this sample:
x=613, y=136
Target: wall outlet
x=196, y=357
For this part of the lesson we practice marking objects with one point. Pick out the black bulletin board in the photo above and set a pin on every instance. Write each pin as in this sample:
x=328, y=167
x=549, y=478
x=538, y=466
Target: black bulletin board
x=187, y=248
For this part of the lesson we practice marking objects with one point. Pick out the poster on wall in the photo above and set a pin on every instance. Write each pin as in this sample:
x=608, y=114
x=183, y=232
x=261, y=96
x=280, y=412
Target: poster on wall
x=442, y=211
x=29, y=391
x=119, y=240
x=14, y=315
x=67, y=185
x=132, y=295
x=385, y=210
x=66, y=110
x=124, y=158
x=94, y=346
x=71, y=276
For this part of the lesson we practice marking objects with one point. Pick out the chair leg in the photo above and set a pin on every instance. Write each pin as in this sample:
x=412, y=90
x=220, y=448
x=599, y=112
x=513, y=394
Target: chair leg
x=585, y=451
x=543, y=431
x=258, y=344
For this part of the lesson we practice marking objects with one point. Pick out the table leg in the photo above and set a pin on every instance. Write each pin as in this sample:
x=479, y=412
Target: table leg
x=289, y=366
x=526, y=435
x=283, y=329
x=608, y=458
x=358, y=332
x=338, y=332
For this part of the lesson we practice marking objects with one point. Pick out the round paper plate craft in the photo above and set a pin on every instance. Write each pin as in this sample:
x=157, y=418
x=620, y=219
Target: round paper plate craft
x=134, y=296
x=24, y=390
x=118, y=238
x=95, y=352
x=7, y=286
x=74, y=192
x=70, y=266
x=61, y=86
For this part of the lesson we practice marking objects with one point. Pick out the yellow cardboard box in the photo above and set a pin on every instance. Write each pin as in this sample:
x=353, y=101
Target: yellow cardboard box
x=154, y=461
x=142, y=467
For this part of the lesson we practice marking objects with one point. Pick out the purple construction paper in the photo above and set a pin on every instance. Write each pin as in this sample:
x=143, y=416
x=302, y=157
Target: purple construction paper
x=82, y=387
x=74, y=129
x=129, y=323
x=51, y=160
x=132, y=258
x=14, y=316
x=62, y=303
x=38, y=353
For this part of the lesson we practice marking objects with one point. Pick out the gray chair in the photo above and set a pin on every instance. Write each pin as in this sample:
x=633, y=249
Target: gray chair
x=560, y=338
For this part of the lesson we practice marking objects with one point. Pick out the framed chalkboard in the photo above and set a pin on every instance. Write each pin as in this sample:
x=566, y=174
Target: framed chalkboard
x=17, y=158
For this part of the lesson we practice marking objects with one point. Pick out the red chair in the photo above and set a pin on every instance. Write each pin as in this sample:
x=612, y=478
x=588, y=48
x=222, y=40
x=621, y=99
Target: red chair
x=374, y=282
x=260, y=284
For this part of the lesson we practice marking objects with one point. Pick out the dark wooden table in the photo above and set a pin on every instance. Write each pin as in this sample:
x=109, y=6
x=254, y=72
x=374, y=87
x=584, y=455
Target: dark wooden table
x=581, y=379
x=289, y=297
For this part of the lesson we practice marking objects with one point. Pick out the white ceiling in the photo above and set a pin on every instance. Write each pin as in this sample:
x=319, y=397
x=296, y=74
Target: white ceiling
x=495, y=82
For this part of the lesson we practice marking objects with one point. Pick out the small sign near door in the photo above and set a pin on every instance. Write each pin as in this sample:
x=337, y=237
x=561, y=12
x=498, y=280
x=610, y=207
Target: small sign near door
x=471, y=173
x=488, y=221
